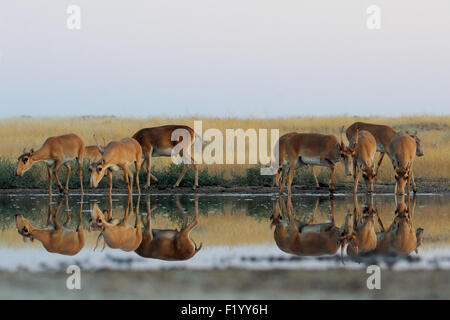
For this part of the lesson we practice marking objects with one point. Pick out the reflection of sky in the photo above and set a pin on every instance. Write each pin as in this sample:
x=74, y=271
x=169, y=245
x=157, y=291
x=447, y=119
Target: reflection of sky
x=227, y=58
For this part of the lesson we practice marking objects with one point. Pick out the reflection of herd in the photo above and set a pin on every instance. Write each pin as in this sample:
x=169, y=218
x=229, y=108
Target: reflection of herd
x=358, y=231
x=295, y=236
x=163, y=244
x=295, y=150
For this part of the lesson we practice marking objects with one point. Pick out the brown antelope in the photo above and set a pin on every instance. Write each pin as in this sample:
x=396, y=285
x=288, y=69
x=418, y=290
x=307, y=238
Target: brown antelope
x=170, y=245
x=118, y=154
x=400, y=238
x=92, y=153
x=157, y=142
x=317, y=149
x=55, y=151
x=305, y=239
x=362, y=227
x=282, y=160
x=382, y=134
x=402, y=150
x=118, y=236
x=58, y=238
x=363, y=147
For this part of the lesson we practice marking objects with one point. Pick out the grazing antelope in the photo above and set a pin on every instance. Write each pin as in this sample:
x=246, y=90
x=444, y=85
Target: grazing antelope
x=57, y=238
x=382, y=134
x=282, y=160
x=402, y=149
x=305, y=239
x=55, y=151
x=118, y=154
x=169, y=245
x=317, y=149
x=157, y=142
x=363, y=147
x=362, y=227
x=118, y=236
x=400, y=238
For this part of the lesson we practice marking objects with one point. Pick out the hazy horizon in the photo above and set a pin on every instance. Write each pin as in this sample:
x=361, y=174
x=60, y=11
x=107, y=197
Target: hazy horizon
x=243, y=59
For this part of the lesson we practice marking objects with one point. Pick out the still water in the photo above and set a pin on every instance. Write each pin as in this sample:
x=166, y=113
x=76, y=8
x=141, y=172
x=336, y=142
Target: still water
x=217, y=231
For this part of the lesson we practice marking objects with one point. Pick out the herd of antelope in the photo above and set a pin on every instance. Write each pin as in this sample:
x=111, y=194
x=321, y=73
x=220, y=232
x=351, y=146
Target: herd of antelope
x=295, y=150
x=365, y=139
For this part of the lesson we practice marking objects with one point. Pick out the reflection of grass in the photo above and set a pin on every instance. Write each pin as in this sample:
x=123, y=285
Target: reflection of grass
x=18, y=133
x=231, y=220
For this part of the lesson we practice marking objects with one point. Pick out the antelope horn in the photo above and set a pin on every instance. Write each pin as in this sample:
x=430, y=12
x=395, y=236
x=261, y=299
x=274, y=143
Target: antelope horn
x=342, y=137
x=100, y=149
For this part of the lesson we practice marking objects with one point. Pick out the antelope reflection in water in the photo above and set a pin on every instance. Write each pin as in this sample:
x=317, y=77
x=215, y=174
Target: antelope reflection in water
x=306, y=239
x=56, y=238
x=400, y=238
x=169, y=244
x=362, y=227
x=117, y=235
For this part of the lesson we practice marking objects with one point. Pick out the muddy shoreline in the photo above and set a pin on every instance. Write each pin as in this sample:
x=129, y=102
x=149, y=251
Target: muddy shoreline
x=380, y=188
x=227, y=284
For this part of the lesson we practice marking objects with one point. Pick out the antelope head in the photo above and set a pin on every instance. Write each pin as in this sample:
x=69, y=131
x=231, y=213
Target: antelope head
x=98, y=170
x=276, y=217
x=401, y=177
x=24, y=162
x=347, y=153
x=419, y=147
x=98, y=219
x=24, y=227
x=368, y=176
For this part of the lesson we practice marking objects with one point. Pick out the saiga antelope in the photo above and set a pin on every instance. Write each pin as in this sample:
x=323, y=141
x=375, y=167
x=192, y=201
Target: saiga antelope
x=157, y=142
x=92, y=153
x=363, y=147
x=118, y=236
x=170, y=245
x=305, y=239
x=282, y=160
x=317, y=149
x=402, y=150
x=118, y=154
x=382, y=134
x=58, y=238
x=362, y=227
x=55, y=151
x=400, y=238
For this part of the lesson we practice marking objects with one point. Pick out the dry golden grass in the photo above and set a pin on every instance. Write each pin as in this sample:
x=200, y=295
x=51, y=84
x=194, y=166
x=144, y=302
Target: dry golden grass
x=24, y=132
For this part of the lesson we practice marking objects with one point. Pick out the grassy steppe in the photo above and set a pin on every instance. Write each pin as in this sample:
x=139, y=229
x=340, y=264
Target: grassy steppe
x=25, y=132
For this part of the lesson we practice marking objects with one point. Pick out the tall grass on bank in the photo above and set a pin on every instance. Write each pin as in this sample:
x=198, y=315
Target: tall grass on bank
x=26, y=132
x=36, y=177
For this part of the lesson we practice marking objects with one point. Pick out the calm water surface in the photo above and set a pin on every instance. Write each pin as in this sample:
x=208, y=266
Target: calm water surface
x=245, y=231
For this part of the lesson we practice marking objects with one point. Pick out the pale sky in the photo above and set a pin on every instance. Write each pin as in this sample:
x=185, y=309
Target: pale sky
x=245, y=58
